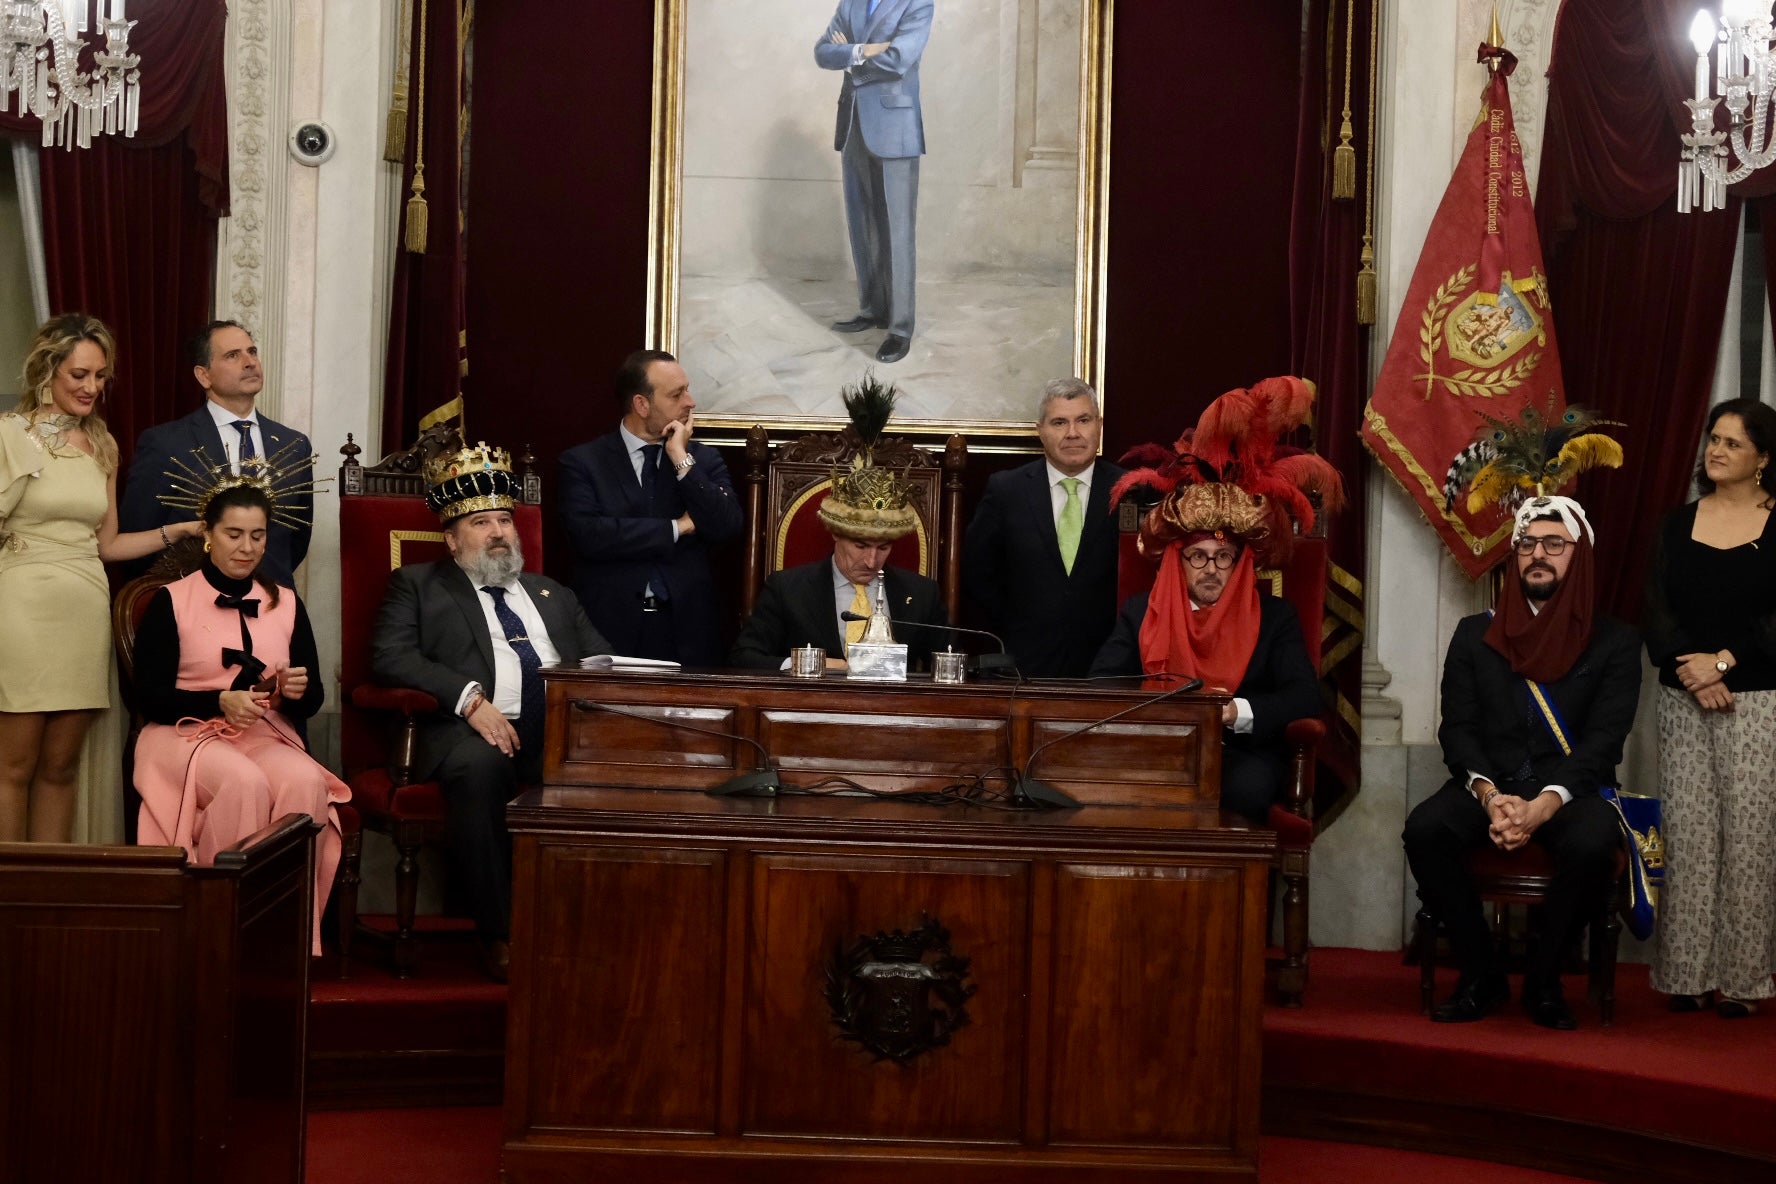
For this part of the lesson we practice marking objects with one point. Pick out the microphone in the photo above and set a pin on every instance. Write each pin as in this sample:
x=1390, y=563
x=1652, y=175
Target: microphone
x=1026, y=790
x=760, y=783
x=999, y=661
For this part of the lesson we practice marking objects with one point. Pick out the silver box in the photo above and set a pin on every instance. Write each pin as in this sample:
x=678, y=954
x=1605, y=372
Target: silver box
x=876, y=662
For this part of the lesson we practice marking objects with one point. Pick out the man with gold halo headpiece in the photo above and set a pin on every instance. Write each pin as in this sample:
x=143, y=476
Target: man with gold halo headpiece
x=472, y=630
x=1233, y=495
x=1537, y=700
x=868, y=509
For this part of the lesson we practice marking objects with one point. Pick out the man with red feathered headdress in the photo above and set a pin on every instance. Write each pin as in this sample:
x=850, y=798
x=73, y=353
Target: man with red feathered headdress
x=1537, y=700
x=1233, y=495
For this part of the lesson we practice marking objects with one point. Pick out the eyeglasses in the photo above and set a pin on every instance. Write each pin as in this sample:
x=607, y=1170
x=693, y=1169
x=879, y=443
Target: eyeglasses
x=1221, y=559
x=1551, y=544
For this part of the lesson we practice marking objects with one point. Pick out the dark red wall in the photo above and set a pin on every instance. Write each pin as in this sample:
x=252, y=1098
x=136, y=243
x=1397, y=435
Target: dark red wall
x=1202, y=149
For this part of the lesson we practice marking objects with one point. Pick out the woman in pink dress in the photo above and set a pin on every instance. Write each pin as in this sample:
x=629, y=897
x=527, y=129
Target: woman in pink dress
x=224, y=660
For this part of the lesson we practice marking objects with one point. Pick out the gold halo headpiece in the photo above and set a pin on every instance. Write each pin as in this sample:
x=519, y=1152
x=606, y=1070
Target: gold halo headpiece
x=281, y=477
x=470, y=481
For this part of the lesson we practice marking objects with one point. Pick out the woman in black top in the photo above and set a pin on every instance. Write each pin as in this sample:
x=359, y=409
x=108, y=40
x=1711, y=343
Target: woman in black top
x=1711, y=631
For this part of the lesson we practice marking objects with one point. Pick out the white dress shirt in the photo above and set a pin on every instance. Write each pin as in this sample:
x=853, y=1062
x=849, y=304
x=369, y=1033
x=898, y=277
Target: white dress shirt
x=225, y=421
x=507, y=693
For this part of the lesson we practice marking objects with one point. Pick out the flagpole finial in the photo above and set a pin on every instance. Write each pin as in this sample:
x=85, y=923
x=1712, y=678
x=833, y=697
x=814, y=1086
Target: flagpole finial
x=1494, y=37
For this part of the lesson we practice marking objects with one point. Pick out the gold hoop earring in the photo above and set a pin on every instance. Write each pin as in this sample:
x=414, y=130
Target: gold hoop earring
x=206, y=546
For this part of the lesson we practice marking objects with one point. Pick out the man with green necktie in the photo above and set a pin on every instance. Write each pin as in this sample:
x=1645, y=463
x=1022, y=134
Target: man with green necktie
x=1039, y=558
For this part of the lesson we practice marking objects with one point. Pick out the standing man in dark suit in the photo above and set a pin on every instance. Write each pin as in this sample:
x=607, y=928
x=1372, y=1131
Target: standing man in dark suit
x=1039, y=558
x=642, y=506
x=881, y=134
x=227, y=427
x=472, y=631
x=1537, y=702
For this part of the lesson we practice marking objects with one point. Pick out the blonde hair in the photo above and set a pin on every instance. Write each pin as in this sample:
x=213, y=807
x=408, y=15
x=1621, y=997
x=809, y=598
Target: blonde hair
x=49, y=349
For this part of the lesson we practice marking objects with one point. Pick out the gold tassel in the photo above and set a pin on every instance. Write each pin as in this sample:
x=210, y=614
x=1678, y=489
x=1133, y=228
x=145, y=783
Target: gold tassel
x=394, y=141
x=1344, y=157
x=1344, y=165
x=1366, y=283
x=418, y=216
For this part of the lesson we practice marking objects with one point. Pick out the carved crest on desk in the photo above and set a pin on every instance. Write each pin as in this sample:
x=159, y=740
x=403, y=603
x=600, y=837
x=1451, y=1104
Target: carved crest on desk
x=899, y=994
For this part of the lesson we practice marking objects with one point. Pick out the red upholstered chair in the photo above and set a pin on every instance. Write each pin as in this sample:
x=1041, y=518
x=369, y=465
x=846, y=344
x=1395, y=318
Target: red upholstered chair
x=384, y=524
x=783, y=493
x=1302, y=582
x=127, y=611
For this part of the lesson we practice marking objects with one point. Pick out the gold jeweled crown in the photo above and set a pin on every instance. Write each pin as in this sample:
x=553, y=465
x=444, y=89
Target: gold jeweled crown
x=867, y=502
x=470, y=481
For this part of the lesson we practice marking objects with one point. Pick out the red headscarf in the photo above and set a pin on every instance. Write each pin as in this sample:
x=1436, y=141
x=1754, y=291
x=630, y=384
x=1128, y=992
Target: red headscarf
x=1542, y=646
x=1214, y=643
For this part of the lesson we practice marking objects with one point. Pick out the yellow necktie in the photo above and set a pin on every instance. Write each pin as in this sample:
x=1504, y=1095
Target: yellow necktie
x=859, y=604
x=1071, y=524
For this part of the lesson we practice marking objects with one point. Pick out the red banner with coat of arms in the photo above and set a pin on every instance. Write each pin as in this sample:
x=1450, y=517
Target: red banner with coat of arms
x=1475, y=337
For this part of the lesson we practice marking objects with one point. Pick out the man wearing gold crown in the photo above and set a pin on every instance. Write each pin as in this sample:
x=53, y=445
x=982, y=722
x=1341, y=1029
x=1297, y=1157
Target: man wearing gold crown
x=1232, y=494
x=642, y=506
x=865, y=512
x=1537, y=701
x=472, y=631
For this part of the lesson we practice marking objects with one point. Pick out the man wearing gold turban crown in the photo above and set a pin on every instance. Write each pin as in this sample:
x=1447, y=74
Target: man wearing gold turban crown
x=472, y=631
x=869, y=507
x=1233, y=495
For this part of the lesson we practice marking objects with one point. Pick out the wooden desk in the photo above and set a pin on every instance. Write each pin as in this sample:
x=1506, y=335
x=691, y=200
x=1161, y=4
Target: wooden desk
x=692, y=997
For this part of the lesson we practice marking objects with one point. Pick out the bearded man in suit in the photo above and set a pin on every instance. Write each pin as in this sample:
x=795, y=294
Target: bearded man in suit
x=1039, y=557
x=472, y=631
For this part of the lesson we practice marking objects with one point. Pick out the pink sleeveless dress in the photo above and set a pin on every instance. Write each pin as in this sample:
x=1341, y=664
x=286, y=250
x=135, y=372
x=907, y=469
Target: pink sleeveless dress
x=206, y=786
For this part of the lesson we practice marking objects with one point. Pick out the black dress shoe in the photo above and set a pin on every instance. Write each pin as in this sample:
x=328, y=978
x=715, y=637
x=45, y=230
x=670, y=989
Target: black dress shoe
x=856, y=324
x=1547, y=1007
x=1473, y=998
x=894, y=348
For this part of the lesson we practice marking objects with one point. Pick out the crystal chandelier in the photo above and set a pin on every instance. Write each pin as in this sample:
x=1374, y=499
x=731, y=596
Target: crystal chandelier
x=41, y=43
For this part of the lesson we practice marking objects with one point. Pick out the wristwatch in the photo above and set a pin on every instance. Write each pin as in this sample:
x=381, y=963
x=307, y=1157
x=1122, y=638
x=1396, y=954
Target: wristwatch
x=476, y=697
x=1720, y=663
x=684, y=466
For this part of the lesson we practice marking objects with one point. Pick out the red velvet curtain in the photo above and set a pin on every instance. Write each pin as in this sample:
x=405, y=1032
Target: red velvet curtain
x=1639, y=291
x=427, y=351
x=1327, y=344
x=129, y=225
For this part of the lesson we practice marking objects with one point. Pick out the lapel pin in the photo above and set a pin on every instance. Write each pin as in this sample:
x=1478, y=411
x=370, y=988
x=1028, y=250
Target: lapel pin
x=543, y=591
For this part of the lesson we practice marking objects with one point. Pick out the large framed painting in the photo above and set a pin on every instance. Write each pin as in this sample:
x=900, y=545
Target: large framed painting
x=913, y=187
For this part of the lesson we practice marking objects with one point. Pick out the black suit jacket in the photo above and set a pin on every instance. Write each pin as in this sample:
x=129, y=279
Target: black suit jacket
x=1491, y=725
x=796, y=608
x=1280, y=683
x=1053, y=622
x=431, y=635
x=140, y=507
x=618, y=538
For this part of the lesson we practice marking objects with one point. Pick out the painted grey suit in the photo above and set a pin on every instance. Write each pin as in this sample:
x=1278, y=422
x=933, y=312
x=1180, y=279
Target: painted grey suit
x=881, y=135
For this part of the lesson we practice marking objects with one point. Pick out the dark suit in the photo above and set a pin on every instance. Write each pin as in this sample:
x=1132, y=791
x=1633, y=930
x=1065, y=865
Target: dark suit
x=1053, y=622
x=432, y=635
x=140, y=508
x=1492, y=727
x=881, y=135
x=1279, y=685
x=622, y=540
x=797, y=607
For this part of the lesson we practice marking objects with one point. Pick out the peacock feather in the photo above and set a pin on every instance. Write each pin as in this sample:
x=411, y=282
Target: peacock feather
x=1535, y=453
x=869, y=404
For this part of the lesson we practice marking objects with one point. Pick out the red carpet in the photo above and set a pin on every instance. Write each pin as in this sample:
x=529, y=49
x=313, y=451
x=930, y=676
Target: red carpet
x=461, y=1146
x=1692, y=1077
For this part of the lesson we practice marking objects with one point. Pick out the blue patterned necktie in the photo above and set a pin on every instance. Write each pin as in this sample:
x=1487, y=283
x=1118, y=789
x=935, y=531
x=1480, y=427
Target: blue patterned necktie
x=650, y=481
x=530, y=713
x=245, y=428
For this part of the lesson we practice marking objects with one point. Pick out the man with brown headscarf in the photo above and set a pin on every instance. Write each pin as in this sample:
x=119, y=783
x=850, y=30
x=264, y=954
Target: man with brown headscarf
x=1537, y=700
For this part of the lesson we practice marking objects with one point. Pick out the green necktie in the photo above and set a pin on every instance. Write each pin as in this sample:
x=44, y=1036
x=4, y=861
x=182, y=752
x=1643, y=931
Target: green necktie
x=1071, y=524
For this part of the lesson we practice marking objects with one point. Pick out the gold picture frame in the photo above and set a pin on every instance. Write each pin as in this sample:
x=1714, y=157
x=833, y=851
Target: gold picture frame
x=1002, y=391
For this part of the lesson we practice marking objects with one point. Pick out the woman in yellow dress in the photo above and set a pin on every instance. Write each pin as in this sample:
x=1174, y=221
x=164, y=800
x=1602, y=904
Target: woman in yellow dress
x=58, y=527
